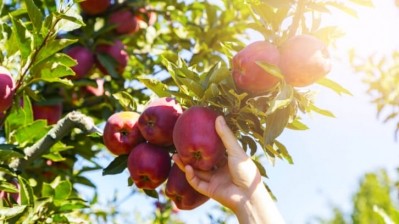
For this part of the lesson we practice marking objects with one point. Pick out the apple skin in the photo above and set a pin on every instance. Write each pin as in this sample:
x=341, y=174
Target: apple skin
x=149, y=165
x=125, y=21
x=248, y=75
x=304, y=60
x=51, y=113
x=157, y=121
x=94, y=7
x=84, y=58
x=116, y=51
x=196, y=140
x=7, y=89
x=180, y=191
x=121, y=133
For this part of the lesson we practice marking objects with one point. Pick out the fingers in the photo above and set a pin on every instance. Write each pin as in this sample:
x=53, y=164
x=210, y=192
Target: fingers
x=206, y=176
x=228, y=139
x=197, y=183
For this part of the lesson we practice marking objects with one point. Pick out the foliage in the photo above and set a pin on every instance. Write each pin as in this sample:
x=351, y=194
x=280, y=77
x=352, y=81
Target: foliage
x=373, y=202
x=185, y=54
x=381, y=75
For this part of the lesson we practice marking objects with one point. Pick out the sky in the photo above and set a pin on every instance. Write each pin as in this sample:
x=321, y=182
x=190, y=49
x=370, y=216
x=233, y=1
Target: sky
x=330, y=157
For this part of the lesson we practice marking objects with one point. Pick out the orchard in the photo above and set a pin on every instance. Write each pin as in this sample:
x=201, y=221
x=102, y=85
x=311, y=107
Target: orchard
x=120, y=86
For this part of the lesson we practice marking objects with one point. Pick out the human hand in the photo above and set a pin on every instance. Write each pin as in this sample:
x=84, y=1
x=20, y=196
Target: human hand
x=236, y=185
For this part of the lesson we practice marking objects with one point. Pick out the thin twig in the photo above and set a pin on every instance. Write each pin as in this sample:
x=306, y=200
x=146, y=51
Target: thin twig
x=300, y=8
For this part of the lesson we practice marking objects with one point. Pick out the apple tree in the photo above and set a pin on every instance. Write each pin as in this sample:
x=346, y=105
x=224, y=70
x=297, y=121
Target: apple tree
x=69, y=66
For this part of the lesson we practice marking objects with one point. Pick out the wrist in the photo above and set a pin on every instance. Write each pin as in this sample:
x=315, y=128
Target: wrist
x=258, y=207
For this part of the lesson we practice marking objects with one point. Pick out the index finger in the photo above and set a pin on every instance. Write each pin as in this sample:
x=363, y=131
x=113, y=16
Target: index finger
x=228, y=139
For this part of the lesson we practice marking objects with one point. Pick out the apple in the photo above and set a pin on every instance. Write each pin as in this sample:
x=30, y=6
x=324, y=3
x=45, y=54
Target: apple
x=158, y=119
x=149, y=165
x=121, y=133
x=125, y=22
x=94, y=7
x=115, y=51
x=248, y=75
x=84, y=58
x=304, y=60
x=196, y=140
x=7, y=89
x=50, y=112
x=180, y=191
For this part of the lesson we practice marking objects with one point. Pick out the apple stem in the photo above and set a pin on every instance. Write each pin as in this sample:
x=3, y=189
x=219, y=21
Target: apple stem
x=64, y=126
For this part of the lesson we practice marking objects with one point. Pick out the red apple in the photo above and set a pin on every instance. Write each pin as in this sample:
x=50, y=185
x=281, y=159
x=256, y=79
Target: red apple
x=149, y=165
x=248, y=75
x=7, y=89
x=158, y=119
x=304, y=60
x=125, y=21
x=121, y=133
x=50, y=112
x=180, y=191
x=94, y=7
x=115, y=51
x=84, y=58
x=196, y=140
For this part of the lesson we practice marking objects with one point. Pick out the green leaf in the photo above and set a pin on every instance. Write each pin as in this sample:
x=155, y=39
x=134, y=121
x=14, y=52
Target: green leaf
x=284, y=152
x=8, y=151
x=321, y=111
x=193, y=86
x=52, y=47
x=31, y=133
x=284, y=98
x=160, y=89
x=151, y=193
x=8, y=187
x=118, y=165
x=333, y=86
x=26, y=192
x=126, y=100
x=63, y=190
x=109, y=64
x=34, y=14
x=297, y=125
x=8, y=213
x=275, y=124
x=271, y=69
x=22, y=38
x=69, y=22
x=261, y=168
x=47, y=190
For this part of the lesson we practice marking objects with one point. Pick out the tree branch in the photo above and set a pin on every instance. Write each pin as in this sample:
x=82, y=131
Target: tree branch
x=64, y=127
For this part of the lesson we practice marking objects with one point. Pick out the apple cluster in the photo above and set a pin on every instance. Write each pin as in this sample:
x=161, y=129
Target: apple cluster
x=163, y=128
x=123, y=21
x=302, y=60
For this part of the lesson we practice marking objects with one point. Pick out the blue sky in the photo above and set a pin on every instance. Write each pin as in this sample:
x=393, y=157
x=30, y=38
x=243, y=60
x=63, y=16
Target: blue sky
x=334, y=153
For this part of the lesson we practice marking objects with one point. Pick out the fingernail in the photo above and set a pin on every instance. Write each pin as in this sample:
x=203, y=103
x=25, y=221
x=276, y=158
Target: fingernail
x=222, y=122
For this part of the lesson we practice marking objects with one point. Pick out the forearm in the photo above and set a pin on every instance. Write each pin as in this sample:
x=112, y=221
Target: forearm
x=259, y=208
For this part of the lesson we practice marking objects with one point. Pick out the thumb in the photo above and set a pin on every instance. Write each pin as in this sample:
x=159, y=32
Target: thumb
x=229, y=140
